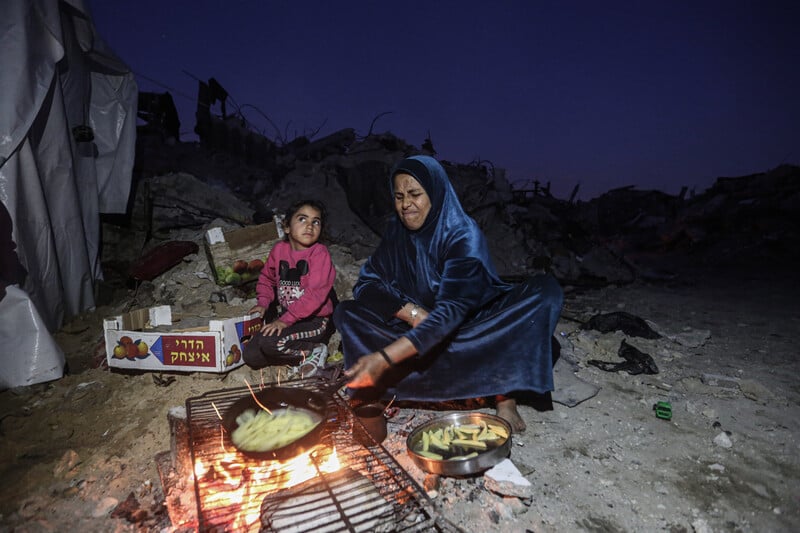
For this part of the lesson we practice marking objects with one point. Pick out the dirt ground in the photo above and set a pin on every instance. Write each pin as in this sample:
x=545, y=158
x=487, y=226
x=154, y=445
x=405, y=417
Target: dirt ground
x=73, y=450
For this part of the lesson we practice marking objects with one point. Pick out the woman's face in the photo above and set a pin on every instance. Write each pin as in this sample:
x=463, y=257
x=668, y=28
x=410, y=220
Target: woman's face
x=411, y=201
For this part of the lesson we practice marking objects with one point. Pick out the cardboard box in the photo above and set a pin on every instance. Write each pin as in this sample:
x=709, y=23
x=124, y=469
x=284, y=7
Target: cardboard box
x=237, y=256
x=145, y=339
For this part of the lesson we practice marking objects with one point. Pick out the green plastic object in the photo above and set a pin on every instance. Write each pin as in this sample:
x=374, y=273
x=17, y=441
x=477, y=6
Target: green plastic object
x=663, y=410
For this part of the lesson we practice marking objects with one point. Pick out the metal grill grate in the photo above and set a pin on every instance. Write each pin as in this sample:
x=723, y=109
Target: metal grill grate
x=368, y=492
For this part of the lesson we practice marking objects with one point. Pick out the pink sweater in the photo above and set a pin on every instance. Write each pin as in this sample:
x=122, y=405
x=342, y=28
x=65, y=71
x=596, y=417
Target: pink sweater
x=303, y=280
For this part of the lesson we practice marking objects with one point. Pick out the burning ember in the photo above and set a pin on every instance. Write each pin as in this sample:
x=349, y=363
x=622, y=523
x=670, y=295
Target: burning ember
x=340, y=484
x=235, y=484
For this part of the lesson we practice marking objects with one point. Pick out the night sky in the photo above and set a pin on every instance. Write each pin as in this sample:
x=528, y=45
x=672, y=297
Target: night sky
x=606, y=94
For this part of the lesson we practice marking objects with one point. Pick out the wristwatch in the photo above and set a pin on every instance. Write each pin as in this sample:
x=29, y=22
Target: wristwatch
x=414, y=312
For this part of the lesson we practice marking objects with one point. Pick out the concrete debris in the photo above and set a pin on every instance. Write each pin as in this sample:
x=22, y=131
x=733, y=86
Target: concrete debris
x=723, y=440
x=700, y=525
x=504, y=478
x=755, y=391
x=617, y=238
x=723, y=382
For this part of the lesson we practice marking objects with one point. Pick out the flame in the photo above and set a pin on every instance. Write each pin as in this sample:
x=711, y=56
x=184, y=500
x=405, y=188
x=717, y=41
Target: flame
x=255, y=399
x=244, y=484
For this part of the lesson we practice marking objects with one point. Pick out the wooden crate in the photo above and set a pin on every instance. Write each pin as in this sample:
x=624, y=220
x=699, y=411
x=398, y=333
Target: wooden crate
x=234, y=254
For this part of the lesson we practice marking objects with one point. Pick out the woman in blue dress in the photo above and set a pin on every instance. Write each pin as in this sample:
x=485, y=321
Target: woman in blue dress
x=431, y=320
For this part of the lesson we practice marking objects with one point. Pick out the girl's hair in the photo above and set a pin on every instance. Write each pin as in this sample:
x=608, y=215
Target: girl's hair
x=315, y=204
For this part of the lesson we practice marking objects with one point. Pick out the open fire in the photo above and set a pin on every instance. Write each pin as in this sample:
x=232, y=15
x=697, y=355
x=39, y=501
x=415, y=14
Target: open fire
x=234, y=485
x=338, y=485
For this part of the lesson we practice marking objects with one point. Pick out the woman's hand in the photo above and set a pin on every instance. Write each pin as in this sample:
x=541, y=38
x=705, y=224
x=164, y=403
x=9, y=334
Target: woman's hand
x=367, y=371
x=274, y=328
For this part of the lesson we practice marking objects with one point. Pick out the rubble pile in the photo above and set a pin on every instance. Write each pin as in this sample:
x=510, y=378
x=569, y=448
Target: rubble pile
x=615, y=238
x=625, y=235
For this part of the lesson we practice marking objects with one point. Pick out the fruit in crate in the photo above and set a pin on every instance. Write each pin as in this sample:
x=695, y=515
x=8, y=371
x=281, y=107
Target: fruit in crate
x=240, y=266
x=223, y=272
x=255, y=266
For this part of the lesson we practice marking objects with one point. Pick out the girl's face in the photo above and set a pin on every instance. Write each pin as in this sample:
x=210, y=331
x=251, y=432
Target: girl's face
x=411, y=201
x=304, y=228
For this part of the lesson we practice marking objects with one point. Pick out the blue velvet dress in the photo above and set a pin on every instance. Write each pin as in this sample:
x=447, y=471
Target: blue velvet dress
x=482, y=336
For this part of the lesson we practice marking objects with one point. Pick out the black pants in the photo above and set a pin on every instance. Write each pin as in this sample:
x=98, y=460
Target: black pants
x=290, y=347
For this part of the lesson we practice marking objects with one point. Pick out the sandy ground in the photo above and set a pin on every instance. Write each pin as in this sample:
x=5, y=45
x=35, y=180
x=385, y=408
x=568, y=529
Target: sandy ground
x=74, y=449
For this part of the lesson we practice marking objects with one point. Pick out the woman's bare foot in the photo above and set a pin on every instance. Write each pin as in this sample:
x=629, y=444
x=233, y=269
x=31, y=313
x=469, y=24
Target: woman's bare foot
x=507, y=410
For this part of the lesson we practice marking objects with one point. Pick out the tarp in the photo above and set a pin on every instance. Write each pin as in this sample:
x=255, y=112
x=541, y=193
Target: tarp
x=67, y=147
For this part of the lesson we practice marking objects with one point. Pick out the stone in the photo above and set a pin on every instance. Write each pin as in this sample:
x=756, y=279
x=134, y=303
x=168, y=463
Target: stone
x=755, y=391
x=723, y=440
x=718, y=380
x=104, y=506
x=504, y=478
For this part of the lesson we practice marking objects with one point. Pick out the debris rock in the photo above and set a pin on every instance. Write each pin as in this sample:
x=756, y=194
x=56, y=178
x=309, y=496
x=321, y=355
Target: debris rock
x=755, y=391
x=505, y=479
x=65, y=467
x=718, y=380
x=104, y=506
x=723, y=440
x=700, y=525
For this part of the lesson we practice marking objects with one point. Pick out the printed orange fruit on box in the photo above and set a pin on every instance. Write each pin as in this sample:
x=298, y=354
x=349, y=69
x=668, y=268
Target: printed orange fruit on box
x=129, y=347
x=237, y=354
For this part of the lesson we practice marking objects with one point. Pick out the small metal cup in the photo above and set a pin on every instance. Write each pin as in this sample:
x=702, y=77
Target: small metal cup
x=373, y=419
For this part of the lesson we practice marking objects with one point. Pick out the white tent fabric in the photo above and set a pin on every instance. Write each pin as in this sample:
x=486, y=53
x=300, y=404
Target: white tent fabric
x=29, y=333
x=58, y=75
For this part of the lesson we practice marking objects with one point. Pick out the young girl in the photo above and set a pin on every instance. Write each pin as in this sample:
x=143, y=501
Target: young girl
x=299, y=271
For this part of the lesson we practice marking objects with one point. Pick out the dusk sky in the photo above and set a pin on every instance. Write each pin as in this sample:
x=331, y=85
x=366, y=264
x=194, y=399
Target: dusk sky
x=601, y=93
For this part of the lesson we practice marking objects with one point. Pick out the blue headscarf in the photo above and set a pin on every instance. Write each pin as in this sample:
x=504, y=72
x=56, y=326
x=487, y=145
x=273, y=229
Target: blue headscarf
x=443, y=266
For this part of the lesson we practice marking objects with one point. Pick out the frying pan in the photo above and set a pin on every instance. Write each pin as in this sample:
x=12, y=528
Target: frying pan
x=313, y=403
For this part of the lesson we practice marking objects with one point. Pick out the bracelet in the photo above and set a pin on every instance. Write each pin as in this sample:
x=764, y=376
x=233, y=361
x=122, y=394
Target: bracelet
x=386, y=356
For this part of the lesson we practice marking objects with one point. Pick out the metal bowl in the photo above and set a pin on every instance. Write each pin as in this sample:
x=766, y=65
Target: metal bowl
x=460, y=467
